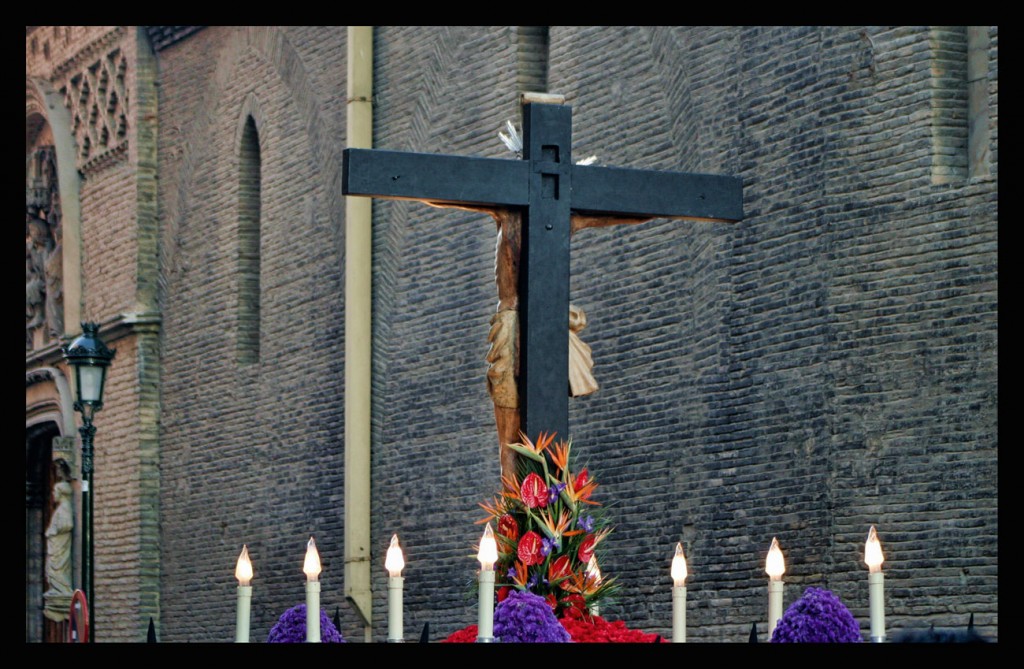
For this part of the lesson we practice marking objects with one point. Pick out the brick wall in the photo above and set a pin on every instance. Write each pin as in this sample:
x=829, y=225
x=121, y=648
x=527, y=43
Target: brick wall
x=824, y=340
x=252, y=452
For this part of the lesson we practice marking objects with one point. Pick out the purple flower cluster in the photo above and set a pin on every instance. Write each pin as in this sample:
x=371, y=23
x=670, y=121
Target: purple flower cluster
x=554, y=491
x=818, y=616
x=524, y=617
x=291, y=628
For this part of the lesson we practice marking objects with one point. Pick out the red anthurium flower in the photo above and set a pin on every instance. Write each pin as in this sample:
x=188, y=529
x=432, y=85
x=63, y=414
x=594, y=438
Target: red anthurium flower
x=508, y=527
x=581, y=480
x=581, y=488
x=503, y=592
x=529, y=549
x=534, y=492
x=559, y=569
x=586, y=550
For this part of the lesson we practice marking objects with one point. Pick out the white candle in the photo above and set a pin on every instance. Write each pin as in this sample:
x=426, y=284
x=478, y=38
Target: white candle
x=487, y=555
x=243, y=572
x=775, y=567
x=594, y=576
x=876, y=589
x=311, y=567
x=679, y=574
x=394, y=563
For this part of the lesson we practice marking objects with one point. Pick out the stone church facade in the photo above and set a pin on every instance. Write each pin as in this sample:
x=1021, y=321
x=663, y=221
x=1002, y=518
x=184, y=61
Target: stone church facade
x=826, y=364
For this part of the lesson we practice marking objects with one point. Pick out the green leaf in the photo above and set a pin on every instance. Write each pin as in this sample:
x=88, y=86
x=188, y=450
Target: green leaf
x=522, y=450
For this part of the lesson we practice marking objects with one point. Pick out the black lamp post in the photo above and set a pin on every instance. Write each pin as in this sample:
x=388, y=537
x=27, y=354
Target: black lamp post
x=89, y=358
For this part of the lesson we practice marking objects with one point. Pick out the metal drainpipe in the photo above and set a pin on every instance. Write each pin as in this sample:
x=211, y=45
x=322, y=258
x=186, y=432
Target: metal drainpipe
x=358, y=287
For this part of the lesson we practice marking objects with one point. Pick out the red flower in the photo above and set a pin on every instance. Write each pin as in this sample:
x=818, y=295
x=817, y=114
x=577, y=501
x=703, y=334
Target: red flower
x=534, y=492
x=552, y=602
x=595, y=629
x=571, y=613
x=586, y=550
x=529, y=549
x=508, y=526
x=464, y=635
x=581, y=480
x=503, y=592
x=585, y=629
x=581, y=489
x=574, y=606
x=559, y=569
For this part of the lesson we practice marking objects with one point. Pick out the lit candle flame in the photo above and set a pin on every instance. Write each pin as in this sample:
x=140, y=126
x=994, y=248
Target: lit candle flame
x=679, y=572
x=394, y=562
x=311, y=566
x=243, y=568
x=488, y=553
x=775, y=566
x=873, y=552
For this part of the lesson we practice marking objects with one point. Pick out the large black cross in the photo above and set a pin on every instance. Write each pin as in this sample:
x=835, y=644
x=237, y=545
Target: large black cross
x=549, y=189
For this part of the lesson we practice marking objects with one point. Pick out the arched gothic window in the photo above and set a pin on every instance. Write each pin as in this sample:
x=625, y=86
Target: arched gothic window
x=248, y=334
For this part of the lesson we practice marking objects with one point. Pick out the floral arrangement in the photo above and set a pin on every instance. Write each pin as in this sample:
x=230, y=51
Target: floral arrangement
x=291, y=628
x=819, y=616
x=548, y=530
x=524, y=617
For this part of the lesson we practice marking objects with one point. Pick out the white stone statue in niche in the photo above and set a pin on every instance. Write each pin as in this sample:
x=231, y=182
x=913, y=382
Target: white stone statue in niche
x=57, y=598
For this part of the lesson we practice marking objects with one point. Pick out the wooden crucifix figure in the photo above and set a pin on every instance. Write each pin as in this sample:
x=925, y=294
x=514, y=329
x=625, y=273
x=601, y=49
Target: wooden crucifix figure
x=537, y=202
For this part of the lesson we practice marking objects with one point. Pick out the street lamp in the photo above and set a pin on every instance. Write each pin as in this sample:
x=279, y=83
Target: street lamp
x=89, y=358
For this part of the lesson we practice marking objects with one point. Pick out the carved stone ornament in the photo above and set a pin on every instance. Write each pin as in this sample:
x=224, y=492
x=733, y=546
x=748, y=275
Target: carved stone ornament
x=44, y=260
x=97, y=97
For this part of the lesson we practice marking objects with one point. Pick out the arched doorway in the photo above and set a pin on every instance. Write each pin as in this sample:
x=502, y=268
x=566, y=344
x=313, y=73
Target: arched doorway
x=52, y=503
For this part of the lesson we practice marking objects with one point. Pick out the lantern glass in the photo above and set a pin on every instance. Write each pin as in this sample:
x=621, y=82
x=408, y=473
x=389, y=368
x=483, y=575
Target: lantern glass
x=90, y=383
x=88, y=357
